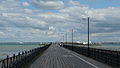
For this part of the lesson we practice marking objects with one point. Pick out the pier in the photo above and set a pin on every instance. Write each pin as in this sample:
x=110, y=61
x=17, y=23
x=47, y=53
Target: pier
x=59, y=57
x=56, y=56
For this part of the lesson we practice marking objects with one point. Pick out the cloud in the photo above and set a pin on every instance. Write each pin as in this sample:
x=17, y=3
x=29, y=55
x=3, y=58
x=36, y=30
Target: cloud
x=51, y=28
x=2, y=33
x=74, y=3
x=25, y=4
x=104, y=20
x=18, y=23
x=48, y=4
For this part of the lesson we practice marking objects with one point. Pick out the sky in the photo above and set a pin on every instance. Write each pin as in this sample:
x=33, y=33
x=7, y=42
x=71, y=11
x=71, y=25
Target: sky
x=50, y=20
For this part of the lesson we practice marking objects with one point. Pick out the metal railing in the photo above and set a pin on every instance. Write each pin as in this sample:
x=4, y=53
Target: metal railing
x=109, y=57
x=22, y=59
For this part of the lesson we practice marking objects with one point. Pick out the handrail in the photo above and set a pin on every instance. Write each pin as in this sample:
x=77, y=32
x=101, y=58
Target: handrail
x=106, y=56
x=21, y=59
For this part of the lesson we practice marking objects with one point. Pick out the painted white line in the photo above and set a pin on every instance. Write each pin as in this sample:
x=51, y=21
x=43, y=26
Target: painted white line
x=85, y=61
x=81, y=59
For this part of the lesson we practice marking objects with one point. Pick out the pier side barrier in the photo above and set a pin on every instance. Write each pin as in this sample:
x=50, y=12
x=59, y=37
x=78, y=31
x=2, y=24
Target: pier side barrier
x=109, y=57
x=22, y=59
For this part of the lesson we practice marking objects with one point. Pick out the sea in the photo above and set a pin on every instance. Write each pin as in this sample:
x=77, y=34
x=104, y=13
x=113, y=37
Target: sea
x=10, y=49
x=108, y=46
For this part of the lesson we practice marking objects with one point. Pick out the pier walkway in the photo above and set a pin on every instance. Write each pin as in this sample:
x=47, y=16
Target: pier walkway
x=59, y=57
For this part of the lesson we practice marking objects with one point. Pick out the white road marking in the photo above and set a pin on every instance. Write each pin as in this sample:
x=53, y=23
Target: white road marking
x=81, y=59
x=85, y=61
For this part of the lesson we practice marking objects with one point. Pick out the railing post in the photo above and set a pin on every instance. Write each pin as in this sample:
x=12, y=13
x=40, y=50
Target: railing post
x=7, y=62
x=118, y=61
x=19, y=58
x=3, y=64
x=25, y=52
x=13, y=57
x=11, y=60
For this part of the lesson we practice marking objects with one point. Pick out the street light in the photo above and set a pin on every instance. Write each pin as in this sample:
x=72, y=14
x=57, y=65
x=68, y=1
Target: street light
x=88, y=36
x=72, y=39
x=66, y=38
x=88, y=19
x=63, y=39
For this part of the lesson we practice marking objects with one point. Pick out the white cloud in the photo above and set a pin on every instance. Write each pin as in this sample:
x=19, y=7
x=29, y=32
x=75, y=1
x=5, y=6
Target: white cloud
x=74, y=3
x=5, y=14
x=25, y=4
x=17, y=23
x=28, y=10
x=50, y=33
x=48, y=4
x=51, y=28
x=2, y=33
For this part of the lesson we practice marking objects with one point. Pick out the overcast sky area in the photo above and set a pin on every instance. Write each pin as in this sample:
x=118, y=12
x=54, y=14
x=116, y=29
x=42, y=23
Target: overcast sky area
x=49, y=20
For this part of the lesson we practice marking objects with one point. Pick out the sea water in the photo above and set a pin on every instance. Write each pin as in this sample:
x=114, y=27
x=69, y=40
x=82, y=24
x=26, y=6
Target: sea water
x=14, y=49
x=115, y=47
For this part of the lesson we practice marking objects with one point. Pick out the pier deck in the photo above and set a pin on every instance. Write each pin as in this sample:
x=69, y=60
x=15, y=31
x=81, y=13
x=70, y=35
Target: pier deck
x=59, y=57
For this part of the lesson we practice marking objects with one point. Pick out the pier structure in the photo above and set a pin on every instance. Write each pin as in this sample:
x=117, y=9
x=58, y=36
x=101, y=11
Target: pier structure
x=56, y=56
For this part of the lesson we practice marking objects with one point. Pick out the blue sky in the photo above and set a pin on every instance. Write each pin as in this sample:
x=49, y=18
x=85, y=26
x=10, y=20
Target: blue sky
x=90, y=3
x=40, y=20
x=96, y=3
x=100, y=3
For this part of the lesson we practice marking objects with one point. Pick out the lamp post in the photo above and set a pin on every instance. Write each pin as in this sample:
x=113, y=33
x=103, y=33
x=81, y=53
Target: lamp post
x=88, y=20
x=66, y=38
x=63, y=39
x=72, y=39
x=88, y=37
